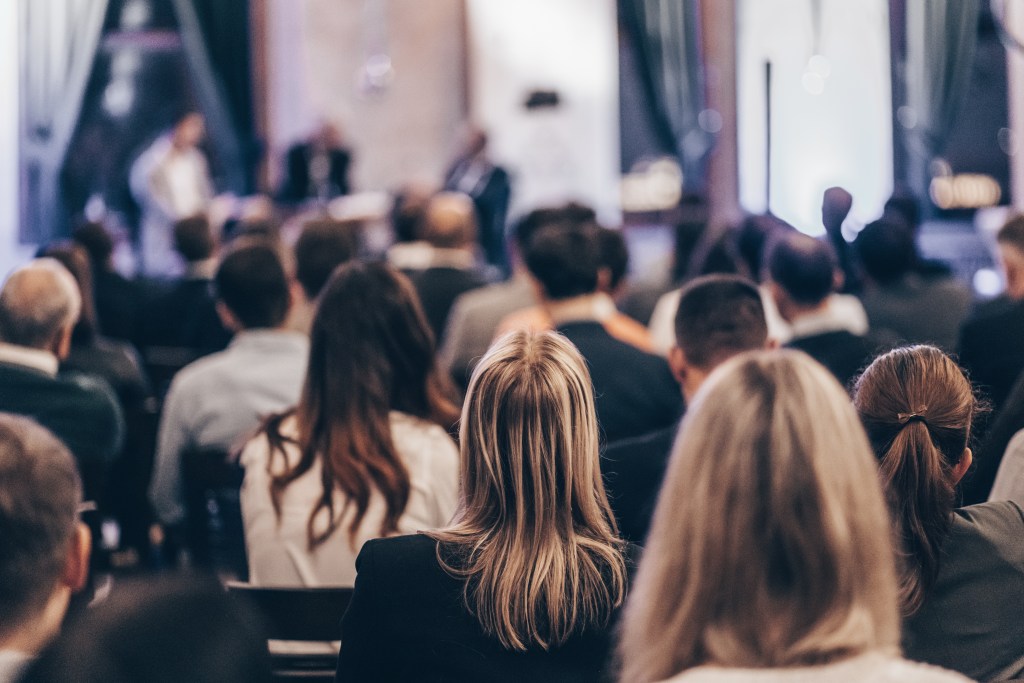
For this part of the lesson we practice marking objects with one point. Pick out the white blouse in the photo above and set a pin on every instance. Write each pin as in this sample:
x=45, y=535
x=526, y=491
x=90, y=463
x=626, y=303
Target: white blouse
x=278, y=551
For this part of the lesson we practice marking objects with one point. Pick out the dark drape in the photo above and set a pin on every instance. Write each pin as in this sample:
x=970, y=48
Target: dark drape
x=58, y=47
x=665, y=35
x=941, y=40
x=212, y=89
x=227, y=34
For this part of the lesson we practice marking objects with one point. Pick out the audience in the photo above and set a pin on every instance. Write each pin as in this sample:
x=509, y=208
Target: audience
x=719, y=316
x=119, y=301
x=802, y=275
x=613, y=262
x=769, y=557
x=476, y=315
x=990, y=347
x=449, y=228
x=961, y=583
x=635, y=391
x=186, y=629
x=185, y=316
x=44, y=549
x=219, y=399
x=366, y=452
x=39, y=306
x=899, y=300
x=525, y=582
x=322, y=246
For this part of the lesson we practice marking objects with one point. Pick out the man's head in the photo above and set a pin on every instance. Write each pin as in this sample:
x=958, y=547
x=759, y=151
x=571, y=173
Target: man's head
x=449, y=221
x=719, y=316
x=1011, y=254
x=527, y=226
x=323, y=246
x=614, y=259
x=253, y=286
x=45, y=549
x=93, y=236
x=886, y=250
x=565, y=260
x=802, y=271
x=188, y=131
x=193, y=238
x=39, y=306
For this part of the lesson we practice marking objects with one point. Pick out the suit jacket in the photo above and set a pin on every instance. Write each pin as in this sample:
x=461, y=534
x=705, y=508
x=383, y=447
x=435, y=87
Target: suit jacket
x=298, y=185
x=439, y=287
x=634, y=391
x=991, y=348
x=80, y=410
x=633, y=471
x=845, y=354
x=407, y=621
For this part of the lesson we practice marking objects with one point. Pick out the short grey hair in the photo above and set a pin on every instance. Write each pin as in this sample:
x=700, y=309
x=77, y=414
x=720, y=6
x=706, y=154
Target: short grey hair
x=37, y=302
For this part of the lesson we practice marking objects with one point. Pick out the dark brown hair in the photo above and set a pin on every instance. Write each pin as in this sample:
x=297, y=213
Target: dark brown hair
x=718, y=317
x=371, y=352
x=917, y=407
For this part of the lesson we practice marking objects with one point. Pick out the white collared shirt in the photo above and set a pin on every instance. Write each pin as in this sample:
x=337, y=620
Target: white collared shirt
x=37, y=359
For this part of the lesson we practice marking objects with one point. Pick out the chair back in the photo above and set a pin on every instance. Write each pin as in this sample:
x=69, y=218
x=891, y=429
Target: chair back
x=309, y=614
x=214, y=534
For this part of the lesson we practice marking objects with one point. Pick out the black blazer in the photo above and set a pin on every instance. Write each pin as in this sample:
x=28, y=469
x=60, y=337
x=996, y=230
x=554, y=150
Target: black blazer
x=635, y=392
x=298, y=185
x=81, y=410
x=991, y=348
x=438, y=287
x=407, y=622
x=633, y=470
x=845, y=354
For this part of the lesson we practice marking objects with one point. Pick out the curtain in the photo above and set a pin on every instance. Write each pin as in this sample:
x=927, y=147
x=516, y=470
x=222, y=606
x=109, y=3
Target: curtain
x=213, y=99
x=666, y=34
x=941, y=40
x=227, y=35
x=59, y=43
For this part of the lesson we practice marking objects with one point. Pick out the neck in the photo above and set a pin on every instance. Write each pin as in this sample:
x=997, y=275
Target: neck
x=794, y=311
x=38, y=630
x=575, y=308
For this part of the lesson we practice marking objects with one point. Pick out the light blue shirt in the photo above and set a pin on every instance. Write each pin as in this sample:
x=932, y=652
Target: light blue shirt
x=217, y=401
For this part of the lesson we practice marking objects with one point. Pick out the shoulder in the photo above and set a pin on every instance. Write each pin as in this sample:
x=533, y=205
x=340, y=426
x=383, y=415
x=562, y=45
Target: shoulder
x=657, y=442
x=398, y=556
x=89, y=390
x=996, y=519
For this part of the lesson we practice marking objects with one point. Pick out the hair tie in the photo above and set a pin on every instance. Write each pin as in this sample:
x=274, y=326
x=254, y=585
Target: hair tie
x=904, y=418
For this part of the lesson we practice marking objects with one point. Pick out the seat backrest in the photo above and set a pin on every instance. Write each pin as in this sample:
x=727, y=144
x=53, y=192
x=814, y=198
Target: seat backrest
x=297, y=613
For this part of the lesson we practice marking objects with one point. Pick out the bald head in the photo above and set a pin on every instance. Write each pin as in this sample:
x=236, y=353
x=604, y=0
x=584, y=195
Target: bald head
x=450, y=221
x=39, y=304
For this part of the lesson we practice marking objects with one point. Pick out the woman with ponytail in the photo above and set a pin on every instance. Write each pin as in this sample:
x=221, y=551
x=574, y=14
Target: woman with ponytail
x=961, y=578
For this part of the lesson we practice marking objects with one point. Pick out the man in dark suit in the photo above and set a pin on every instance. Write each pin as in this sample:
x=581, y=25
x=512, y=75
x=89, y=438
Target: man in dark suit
x=488, y=185
x=990, y=341
x=317, y=168
x=185, y=316
x=719, y=316
x=45, y=557
x=634, y=391
x=802, y=272
x=993, y=354
x=39, y=304
x=449, y=229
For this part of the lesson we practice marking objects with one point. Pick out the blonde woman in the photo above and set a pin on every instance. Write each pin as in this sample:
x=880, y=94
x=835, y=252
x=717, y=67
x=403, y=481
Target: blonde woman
x=525, y=583
x=769, y=558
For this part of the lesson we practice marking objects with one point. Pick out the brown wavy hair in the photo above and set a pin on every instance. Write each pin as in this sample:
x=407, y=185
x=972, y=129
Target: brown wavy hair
x=371, y=352
x=917, y=407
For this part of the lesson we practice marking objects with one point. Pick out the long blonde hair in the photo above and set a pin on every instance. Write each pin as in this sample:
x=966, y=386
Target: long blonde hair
x=534, y=535
x=770, y=545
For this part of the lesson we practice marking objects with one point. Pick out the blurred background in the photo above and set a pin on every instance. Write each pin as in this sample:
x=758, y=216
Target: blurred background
x=631, y=106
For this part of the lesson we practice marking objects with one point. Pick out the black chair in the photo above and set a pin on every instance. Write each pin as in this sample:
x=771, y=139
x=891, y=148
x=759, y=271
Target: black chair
x=298, y=614
x=213, y=531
